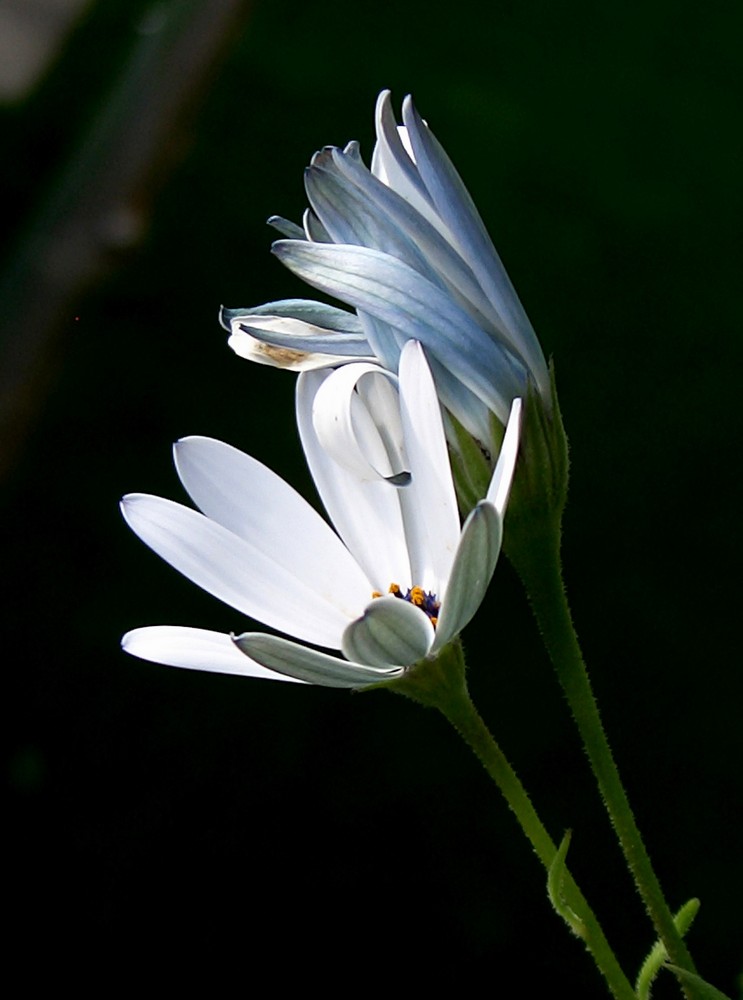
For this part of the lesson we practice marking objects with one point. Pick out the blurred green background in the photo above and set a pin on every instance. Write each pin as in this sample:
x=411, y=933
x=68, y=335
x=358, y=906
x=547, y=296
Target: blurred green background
x=314, y=837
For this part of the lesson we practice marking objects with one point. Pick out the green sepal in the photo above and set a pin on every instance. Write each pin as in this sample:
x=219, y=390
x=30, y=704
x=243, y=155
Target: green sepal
x=540, y=486
x=555, y=878
x=702, y=989
x=471, y=464
x=658, y=955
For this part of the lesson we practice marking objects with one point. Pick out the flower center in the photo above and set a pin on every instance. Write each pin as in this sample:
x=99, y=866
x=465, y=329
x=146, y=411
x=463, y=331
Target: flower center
x=416, y=595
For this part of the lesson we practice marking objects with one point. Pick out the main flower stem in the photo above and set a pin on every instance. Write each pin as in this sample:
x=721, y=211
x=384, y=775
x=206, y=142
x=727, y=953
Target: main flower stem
x=441, y=684
x=540, y=568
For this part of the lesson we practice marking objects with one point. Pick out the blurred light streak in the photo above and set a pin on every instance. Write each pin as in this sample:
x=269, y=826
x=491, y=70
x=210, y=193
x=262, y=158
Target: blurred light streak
x=99, y=202
x=32, y=33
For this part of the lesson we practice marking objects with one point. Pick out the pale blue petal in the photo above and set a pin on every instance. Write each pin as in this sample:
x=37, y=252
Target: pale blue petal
x=391, y=632
x=351, y=216
x=318, y=314
x=474, y=565
x=352, y=149
x=474, y=415
x=289, y=229
x=385, y=341
x=391, y=291
x=392, y=214
x=391, y=162
x=296, y=334
x=314, y=230
x=457, y=210
x=309, y=665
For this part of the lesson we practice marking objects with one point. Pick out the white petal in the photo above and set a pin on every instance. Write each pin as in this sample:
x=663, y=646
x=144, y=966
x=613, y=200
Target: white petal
x=356, y=416
x=365, y=514
x=500, y=484
x=472, y=572
x=244, y=575
x=309, y=665
x=194, y=649
x=429, y=504
x=247, y=498
x=391, y=632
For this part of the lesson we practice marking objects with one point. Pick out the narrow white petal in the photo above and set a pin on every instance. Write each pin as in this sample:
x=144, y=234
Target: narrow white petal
x=473, y=569
x=429, y=504
x=194, y=649
x=500, y=484
x=301, y=663
x=246, y=576
x=391, y=632
x=250, y=500
x=365, y=514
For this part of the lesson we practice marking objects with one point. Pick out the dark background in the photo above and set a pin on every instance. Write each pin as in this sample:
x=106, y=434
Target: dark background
x=318, y=837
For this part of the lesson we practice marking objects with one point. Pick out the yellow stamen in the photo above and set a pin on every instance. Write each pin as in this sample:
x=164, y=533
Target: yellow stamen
x=417, y=596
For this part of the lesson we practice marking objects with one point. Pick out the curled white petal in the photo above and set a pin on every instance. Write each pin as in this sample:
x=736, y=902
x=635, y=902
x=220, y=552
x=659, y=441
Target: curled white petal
x=356, y=416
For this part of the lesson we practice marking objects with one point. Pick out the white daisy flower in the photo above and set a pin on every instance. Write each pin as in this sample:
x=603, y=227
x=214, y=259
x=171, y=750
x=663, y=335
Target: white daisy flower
x=392, y=584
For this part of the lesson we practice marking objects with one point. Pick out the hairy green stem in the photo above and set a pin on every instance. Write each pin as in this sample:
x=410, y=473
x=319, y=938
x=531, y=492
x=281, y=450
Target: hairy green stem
x=442, y=685
x=539, y=566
